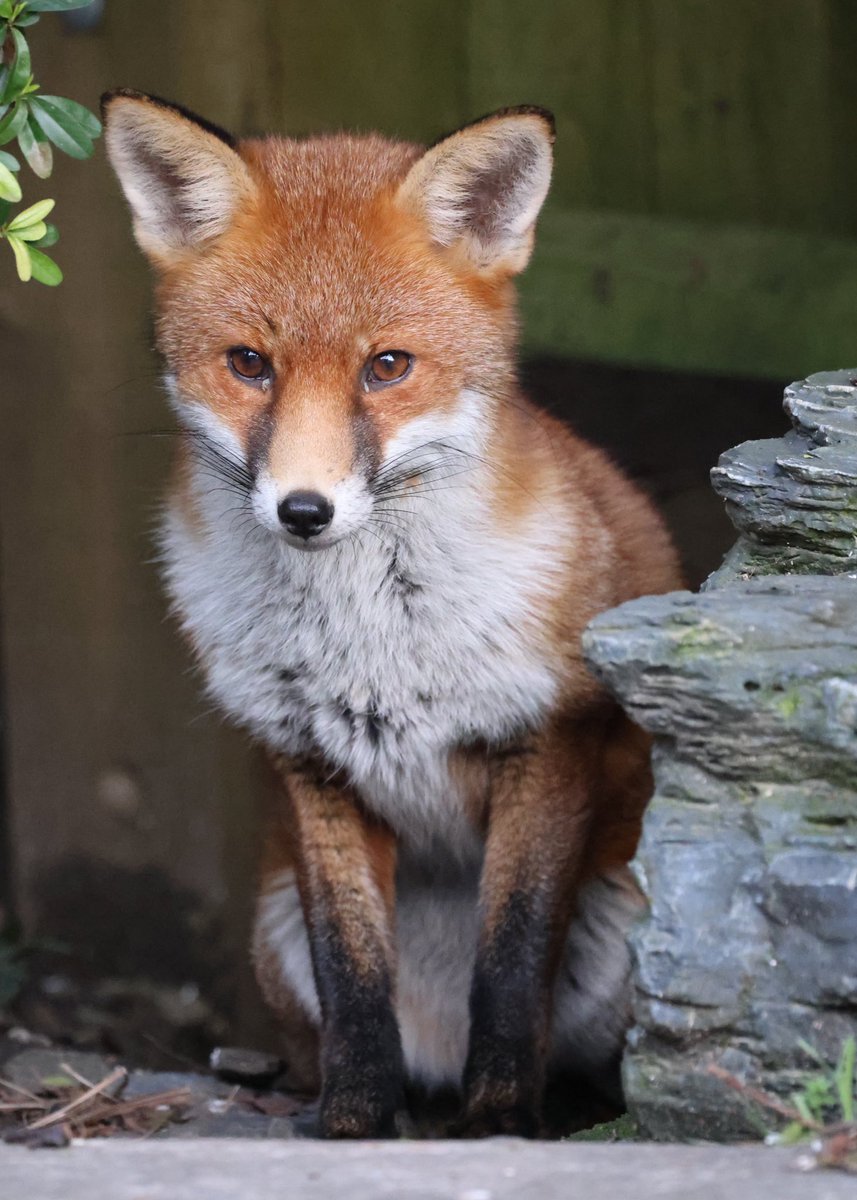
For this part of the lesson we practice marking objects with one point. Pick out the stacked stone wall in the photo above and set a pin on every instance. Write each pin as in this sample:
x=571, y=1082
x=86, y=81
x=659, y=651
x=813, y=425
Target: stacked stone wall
x=749, y=850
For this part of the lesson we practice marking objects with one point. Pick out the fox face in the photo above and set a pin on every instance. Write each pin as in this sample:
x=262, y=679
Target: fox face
x=336, y=314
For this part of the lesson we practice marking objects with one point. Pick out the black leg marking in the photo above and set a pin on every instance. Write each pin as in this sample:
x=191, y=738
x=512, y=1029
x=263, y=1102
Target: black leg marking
x=508, y=1008
x=361, y=1051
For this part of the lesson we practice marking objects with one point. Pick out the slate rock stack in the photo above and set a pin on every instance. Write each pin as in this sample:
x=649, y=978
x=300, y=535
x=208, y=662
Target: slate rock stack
x=749, y=850
x=794, y=499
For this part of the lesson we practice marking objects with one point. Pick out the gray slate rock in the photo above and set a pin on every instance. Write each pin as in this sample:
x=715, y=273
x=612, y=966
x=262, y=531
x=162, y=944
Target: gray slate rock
x=749, y=848
x=216, y=1108
x=795, y=498
x=30, y=1068
x=239, y=1065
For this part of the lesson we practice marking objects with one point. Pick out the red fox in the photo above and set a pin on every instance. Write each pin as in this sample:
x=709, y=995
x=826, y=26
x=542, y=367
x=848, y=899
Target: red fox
x=383, y=556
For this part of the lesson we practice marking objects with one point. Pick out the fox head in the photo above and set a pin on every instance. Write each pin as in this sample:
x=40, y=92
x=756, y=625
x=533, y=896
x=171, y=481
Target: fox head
x=336, y=314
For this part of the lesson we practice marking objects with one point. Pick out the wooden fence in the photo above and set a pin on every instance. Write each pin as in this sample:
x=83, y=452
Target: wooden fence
x=704, y=216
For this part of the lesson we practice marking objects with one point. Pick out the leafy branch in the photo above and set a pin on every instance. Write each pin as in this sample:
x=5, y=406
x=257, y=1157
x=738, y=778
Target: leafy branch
x=38, y=122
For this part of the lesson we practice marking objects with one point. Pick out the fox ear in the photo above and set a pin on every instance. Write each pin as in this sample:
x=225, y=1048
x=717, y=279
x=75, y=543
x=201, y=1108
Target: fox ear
x=181, y=176
x=481, y=188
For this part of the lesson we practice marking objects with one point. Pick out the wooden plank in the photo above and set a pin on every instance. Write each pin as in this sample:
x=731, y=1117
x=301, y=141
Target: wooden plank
x=737, y=111
x=394, y=65
x=741, y=109
x=132, y=813
x=690, y=295
x=589, y=62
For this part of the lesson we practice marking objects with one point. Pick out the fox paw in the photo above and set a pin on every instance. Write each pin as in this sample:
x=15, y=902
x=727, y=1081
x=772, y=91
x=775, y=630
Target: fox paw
x=499, y=1121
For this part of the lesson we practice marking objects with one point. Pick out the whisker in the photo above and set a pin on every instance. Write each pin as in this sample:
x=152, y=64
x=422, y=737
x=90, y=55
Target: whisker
x=435, y=471
x=375, y=535
x=490, y=463
x=397, y=525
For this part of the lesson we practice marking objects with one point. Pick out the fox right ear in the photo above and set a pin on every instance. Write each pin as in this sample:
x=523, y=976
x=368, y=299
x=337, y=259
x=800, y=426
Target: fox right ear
x=181, y=176
x=479, y=191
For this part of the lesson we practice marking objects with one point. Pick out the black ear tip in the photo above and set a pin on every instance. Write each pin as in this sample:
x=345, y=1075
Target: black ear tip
x=548, y=117
x=120, y=93
x=532, y=110
x=167, y=106
x=514, y=110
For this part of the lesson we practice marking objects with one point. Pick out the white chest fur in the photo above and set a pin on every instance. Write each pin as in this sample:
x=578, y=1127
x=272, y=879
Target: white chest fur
x=382, y=653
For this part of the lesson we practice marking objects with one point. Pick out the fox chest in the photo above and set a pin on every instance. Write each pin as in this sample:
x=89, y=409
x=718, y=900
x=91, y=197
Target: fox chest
x=374, y=661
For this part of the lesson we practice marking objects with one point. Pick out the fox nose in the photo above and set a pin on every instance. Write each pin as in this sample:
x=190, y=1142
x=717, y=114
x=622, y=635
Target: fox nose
x=305, y=514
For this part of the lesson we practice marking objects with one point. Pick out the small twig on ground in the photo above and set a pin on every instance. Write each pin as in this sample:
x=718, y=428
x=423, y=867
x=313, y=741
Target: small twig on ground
x=836, y=1145
x=94, y=1111
x=54, y=1118
x=839, y=1151
x=13, y=1087
x=76, y=1075
x=765, y=1099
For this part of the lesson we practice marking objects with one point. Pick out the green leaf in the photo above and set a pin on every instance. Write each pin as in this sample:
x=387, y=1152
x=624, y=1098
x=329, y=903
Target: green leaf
x=9, y=160
x=44, y=268
x=40, y=6
x=36, y=149
x=69, y=110
x=811, y=1052
x=22, y=258
x=49, y=238
x=33, y=215
x=56, y=1081
x=67, y=136
x=21, y=68
x=13, y=122
x=6, y=9
x=794, y=1132
x=10, y=189
x=800, y=1103
x=23, y=21
x=32, y=233
x=846, y=1079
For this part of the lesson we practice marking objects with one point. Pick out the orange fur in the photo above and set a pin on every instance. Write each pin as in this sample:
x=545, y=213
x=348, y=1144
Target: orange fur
x=327, y=252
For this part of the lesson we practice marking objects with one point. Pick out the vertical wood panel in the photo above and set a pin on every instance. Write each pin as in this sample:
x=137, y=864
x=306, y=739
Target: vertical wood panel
x=394, y=65
x=731, y=111
x=741, y=111
x=125, y=797
x=588, y=61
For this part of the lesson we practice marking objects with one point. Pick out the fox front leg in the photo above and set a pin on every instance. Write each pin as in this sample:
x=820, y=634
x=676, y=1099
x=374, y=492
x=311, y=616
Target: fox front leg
x=539, y=822
x=346, y=870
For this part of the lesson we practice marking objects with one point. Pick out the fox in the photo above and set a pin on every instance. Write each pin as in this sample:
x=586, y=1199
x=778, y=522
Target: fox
x=383, y=555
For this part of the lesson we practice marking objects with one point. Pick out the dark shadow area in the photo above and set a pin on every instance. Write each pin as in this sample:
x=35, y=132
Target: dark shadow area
x=131, y=967
x=667, y=430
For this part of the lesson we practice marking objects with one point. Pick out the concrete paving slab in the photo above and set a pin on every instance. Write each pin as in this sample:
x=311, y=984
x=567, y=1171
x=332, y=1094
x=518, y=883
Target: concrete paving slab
x=501, y=1169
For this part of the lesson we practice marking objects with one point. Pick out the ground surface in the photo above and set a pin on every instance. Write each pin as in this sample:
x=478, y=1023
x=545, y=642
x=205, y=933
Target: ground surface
x=498, y=1170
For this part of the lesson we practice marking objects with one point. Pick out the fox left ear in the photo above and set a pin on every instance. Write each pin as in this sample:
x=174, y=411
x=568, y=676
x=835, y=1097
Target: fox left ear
x=181, y=175
x=482, y=187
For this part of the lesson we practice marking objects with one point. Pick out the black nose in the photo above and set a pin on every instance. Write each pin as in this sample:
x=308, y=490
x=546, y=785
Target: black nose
x=305, y=514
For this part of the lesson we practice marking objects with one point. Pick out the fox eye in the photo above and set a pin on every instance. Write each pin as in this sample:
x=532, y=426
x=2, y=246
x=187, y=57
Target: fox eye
x=390, y=366
x=248, y=364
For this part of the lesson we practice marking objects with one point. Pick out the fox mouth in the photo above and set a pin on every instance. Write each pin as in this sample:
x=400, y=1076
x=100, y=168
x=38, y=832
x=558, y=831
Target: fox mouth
x=322, y=541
